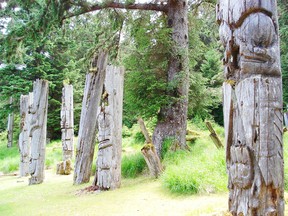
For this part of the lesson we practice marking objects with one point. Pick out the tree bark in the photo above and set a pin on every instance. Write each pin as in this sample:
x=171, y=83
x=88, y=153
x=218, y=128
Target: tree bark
x=252, y=106
x=10, y=126
x=144, y=130
x=214, y=136
x=88, y=126
x=67, y=122
x=108, y=172
x=38, y=130
x=172, y=119
x=24, y=140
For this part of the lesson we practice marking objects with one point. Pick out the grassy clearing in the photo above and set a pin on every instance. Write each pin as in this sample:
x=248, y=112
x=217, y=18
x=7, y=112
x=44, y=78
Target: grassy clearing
x=140, y=196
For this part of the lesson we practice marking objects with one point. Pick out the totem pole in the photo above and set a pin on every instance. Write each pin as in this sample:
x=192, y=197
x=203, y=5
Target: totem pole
x=252, y=106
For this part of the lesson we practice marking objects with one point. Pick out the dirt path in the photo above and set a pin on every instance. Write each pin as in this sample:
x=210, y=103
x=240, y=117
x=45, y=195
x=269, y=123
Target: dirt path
x=137, y=197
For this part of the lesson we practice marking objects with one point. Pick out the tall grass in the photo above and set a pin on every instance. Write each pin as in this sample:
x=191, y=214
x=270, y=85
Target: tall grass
x=9, y=157
x=202, y=170
x=133, y=165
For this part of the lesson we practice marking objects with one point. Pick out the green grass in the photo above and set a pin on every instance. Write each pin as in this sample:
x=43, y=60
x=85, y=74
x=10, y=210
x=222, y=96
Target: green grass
x=9, y=157
x=202, y=170
x=133, y=165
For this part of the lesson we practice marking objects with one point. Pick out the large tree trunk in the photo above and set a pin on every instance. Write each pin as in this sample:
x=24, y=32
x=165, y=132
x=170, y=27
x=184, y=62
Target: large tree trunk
x=108, y=172
x=88, y=120
x=252, y=106
x=24, y=140
x=10, y=127
x=172, y=120
x=38, y=130
x=67, y=122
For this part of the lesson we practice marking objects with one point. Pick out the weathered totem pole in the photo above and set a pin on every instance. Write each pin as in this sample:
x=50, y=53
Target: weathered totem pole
x=88, y=120
x=10, y=126
x=38, y=129
x=108, y=173
x=252, y=106
x=24, y=140
x=67, y=122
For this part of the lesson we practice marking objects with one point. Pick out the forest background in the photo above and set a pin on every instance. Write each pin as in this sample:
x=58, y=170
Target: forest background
x=137, y=40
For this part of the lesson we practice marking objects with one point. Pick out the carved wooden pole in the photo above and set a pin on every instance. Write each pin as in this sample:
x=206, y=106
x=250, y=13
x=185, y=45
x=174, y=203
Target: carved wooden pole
x=10, y=126
x=67, y=122
x=88, y=120
x=24, y=140
x=38, y=130
x=252, y=106
x=108, y=174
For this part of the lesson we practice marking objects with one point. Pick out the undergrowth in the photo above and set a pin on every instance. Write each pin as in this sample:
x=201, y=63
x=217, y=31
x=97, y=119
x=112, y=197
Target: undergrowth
x=133, y=165
x=200, y=170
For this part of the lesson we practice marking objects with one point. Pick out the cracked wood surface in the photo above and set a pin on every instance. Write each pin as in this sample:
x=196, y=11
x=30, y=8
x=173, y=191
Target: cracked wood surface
x=38, y=131
x=252, y=106
x=67, y=122
x=108, y=171
x=88, y=120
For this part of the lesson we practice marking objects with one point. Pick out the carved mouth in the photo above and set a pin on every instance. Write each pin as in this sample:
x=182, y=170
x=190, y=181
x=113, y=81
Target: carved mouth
x=256, y=58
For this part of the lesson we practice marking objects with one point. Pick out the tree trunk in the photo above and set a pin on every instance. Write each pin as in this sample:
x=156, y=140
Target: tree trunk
x=88, y=127
x=172, y=119
x=252, y=106
x=67, y=122
x=24, y=140
x=144, y=130
x=214, y=136
x=38, y=130
x=10, y=127
x=108, y=172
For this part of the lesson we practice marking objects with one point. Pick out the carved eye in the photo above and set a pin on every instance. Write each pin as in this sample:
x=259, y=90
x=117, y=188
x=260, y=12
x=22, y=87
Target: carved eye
x=258, y=30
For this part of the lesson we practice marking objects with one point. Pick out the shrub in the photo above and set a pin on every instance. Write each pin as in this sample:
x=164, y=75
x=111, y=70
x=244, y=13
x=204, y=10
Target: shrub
x=133, y=165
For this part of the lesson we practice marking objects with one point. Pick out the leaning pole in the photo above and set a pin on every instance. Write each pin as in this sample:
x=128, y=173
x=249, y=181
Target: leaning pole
x=252, y=106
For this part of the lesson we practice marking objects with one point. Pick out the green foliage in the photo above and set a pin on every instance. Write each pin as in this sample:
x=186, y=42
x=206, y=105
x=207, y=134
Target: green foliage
x=285, y=149
x=202, y=170
x=133, y=165
x=53, y=154
x=205, y=65
x=167, y=143
x=145, y=54
x=283, y=25
x=139, y=137
x=9, y=157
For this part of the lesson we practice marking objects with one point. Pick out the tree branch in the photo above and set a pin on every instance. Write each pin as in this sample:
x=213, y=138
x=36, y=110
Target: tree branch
x=99, y=6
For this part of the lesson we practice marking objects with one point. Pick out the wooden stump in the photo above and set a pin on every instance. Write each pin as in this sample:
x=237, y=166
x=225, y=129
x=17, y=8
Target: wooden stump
x=108, y=172
x=24, y=140
x=88, y=126
x=152, y=160
x=213, y=135
x=64, y=167
x=38, y=130
x=252, y=106
x=67, y=122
